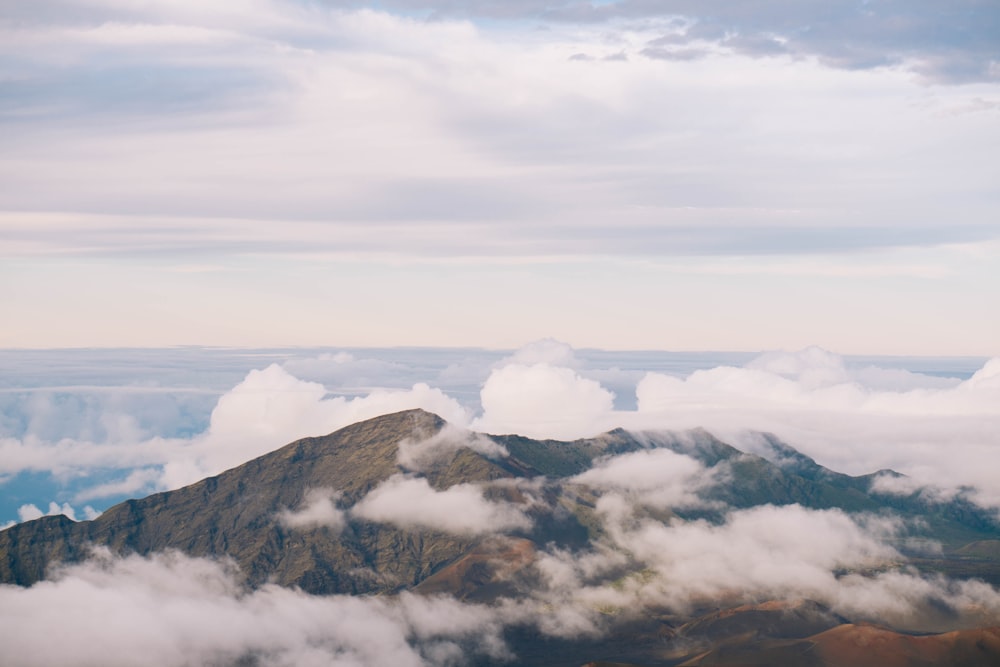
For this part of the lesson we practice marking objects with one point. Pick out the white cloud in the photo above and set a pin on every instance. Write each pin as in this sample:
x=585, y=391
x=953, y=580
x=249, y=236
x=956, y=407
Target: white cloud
x=140, y=480
x=901, y=485
x=544, y=401
x=937, y=434
x=30, y=512
x=415, y=454
x=760, y=553
x=410, y=502
x=320, y=509
x=545, y=351
x=658, y=477
x=852, y=417
x=267, y=410
x=174, y=610
x=271, y=408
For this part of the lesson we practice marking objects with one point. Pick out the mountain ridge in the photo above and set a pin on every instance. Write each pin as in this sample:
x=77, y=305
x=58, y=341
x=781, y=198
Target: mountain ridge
x=201, y=519
x=243, y=514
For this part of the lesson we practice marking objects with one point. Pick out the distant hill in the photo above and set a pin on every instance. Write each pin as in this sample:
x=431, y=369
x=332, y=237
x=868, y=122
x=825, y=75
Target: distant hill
x=239, y=514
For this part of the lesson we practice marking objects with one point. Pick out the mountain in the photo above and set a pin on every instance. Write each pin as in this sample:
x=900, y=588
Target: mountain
x=303, y=516
x=235, y=514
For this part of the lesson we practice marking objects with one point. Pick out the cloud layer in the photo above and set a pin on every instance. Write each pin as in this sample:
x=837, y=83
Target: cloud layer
x=284, y=79
x=191, y=611
x=431, y=175
x=849, y=415
x=643, y=557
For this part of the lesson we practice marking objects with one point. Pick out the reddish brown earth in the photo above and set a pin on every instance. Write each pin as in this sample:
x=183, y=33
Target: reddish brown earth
x=851, y=645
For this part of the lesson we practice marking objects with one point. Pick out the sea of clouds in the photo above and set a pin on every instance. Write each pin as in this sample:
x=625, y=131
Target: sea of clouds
x=850, y=415
x=126, y=431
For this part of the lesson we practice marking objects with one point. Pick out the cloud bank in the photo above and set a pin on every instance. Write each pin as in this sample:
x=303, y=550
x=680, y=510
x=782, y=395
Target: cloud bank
x=643, y=558
x=851, y=416
x=183, y=611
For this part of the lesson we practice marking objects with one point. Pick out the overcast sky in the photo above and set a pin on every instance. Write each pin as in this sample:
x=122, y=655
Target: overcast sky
x=624, y=175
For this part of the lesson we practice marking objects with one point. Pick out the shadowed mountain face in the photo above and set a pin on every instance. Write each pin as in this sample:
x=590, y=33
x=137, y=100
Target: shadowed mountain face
x=405, y=502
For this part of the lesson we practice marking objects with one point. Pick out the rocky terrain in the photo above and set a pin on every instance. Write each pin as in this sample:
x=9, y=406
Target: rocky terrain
x=388, y=505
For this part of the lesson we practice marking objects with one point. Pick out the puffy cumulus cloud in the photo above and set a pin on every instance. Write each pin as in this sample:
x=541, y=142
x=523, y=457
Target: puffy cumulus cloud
x=415, y=454
x=177, y=610
x=987, y=377
x=658, y=477
x=271, y=407
x=851, y=417
x=29, y=512
x=544, y=401
x=272, y=403
x=461, y=509
x=269, y=402
x=267, y=410
x=319, y=509
x=852, y=420
x=770, y=549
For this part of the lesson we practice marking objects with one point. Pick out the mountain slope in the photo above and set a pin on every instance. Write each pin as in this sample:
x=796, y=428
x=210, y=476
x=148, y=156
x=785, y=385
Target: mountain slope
x=236, y=514
x=261, y=516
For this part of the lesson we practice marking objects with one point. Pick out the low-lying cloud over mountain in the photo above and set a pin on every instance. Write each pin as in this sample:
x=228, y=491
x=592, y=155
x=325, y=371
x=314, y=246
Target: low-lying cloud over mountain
x=626, y=545
x=852, y=416
x=177, y=610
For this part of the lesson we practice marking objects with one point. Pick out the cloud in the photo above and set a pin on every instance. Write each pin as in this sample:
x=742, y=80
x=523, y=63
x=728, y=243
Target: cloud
x=854, y=418
x=854, y=421
x=951, y=45
x=320, y=509
x=271, y=408
x=846, y=413
x=544, y=401
x=267, y=410
x=415, y=454
x=30, y=512
x=247, y=86
x=764, y=552
x=545, y=351
x=831, y=407
x=136, y=481
x=183, y=611
x=658, y=478
x=410, y=502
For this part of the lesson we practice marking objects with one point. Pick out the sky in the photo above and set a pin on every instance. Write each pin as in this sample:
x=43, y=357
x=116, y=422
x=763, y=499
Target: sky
x=226, y=225
x=620, y=175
